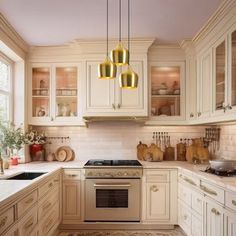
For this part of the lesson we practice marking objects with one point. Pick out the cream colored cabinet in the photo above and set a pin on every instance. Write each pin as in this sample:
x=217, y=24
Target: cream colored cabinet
x=106, y=98
x=71, y=197
x=214, y=219
x=230, y=223
x=204, y=84
x=159, y=196
x=54, y=97
x=167, y=91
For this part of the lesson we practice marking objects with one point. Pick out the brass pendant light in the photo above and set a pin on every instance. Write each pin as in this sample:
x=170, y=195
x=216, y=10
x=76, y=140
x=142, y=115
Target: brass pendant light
x=107, y=69
x=120, y=54
x=128, y=79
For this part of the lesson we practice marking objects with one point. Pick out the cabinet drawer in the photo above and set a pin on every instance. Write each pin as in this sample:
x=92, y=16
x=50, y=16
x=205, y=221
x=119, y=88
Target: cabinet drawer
x=71, y=174
x=28, y=223
x=189, y=180
x=184, y=217
x=26, y=203
x=230, y=200
x=212, y=191
x=49, y=185
x=6, y=219
x=158, y=176
x=49, y=221
x=47, y=203
x=184, y=194
x=197, y=202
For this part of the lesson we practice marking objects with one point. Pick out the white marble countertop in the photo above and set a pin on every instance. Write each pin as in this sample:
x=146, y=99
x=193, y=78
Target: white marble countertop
x=10, y=187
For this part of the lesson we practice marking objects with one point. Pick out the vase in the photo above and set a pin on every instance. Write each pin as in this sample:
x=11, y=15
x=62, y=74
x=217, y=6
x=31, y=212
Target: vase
x=37, y=152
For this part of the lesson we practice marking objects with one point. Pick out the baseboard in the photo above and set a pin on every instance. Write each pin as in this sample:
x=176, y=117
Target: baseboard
x=114, y=226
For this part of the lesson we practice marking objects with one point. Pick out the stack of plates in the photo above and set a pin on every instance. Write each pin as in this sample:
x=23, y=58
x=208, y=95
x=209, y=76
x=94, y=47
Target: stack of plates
x=65, y=153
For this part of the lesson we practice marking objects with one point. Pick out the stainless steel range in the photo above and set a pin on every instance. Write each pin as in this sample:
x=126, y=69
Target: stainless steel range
x=112, y=190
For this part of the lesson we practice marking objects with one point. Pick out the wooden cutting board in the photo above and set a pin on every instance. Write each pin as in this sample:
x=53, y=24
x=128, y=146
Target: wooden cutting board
x=169, y=154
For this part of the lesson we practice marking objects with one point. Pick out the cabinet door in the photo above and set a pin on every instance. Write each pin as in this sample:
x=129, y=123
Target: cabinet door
x=133, y=101
x=219, y=77
x=214, y=220
x=40, y=93
x=196, y=226
x=204, y=78
x=158, y=205
x=230, y=224
x=167, y=91
x=100, y=97
x=71, y=205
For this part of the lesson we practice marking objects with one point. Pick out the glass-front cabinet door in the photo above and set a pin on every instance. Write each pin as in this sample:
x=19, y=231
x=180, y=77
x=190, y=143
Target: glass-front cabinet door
x=167, y=91
x=41, y=79
x=66, y=91
x=54, y=92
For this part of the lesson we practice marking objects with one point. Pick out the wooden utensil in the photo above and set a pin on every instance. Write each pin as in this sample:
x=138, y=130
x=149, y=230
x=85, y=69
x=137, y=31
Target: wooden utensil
x=169, y=154
x=61, y=154
x=181, y=151
x=141, y=147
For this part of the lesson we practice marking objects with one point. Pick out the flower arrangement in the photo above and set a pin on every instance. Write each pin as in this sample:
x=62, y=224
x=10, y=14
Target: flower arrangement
x=35, y=137
x=11, y=137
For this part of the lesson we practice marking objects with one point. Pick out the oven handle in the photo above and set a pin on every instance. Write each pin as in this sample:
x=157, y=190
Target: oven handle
x=112, y=185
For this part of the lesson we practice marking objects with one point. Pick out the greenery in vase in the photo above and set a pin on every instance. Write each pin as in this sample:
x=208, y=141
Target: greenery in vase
x=11, y=137
x=35, y=137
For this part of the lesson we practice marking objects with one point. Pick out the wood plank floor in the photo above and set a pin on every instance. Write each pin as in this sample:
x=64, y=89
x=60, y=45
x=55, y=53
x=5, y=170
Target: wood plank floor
x=174, y=232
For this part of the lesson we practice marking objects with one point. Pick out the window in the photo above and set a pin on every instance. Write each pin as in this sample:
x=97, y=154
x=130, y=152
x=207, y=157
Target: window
x=5, y=88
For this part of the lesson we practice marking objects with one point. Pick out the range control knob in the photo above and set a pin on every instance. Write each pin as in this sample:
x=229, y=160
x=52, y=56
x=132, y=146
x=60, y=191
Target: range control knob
x=125, y=174
x=119, y=173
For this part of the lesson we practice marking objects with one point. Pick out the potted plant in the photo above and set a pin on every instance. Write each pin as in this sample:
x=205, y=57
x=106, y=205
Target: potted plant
x=36, y=141
x=12, y=139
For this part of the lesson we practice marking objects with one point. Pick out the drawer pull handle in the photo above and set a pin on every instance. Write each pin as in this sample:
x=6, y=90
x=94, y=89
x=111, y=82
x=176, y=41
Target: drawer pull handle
x=154, y=188
x=213, y=210
x=3, y=222
x=234, y=202
x=29, y=224
x=29, y=200
x=189, y=181
x=72, y=175
x=47, y=206
x=56, y=180
x=50, y=185
x=209, y=191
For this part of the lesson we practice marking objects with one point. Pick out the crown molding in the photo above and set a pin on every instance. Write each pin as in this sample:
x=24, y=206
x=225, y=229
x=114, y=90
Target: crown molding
x=11, y=38
x=219, y=14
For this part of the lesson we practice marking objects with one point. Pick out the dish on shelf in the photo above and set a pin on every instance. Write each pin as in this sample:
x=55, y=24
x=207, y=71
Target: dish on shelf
x=65, y=153
x=176, y=92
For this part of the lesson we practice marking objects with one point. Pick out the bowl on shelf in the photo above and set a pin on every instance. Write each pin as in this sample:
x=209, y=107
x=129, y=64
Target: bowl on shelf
x=162, y=91
x=177, y=92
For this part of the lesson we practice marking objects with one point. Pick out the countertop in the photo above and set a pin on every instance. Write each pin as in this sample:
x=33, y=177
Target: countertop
x=9, y=188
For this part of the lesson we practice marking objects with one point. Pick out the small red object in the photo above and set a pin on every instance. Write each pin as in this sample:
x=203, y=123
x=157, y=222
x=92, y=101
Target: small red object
x=14, y=161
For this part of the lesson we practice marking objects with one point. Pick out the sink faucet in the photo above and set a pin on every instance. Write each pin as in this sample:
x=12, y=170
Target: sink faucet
x=1, y=165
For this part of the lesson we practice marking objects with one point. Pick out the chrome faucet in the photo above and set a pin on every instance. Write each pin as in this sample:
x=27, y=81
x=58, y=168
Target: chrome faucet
x=1, y=165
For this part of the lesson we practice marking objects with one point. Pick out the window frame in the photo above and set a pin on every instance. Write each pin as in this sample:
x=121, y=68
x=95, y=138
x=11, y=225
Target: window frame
x=10, y=93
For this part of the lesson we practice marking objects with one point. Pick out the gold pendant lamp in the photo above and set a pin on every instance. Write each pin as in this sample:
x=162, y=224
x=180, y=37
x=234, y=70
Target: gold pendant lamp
x=107, y=69
x=128, y=79
x=120, y=54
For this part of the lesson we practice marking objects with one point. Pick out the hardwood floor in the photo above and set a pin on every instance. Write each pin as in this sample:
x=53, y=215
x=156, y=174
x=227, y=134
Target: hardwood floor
x=175, y=232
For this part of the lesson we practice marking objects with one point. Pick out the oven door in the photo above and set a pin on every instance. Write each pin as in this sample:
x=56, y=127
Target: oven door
x=112, y=200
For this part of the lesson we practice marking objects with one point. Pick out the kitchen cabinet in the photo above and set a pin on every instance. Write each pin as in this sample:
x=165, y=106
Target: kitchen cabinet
x=54, y=94
x=167, y=91
x=72, y=197
x=106, y=98
x=204, y=84
x=230, y=223
x=161, y=185
x=214, y=219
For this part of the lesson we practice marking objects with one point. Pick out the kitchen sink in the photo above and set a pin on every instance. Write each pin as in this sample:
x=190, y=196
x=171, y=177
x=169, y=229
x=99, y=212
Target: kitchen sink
x=27, y=175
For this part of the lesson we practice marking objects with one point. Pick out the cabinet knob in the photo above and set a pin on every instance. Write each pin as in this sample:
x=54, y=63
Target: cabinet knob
x=199, y=114
x=51, y=118
x=229, y=107
x=113, y=106
x=118, y=106
x=234, y=202
x=154, y=188
x=191, y=115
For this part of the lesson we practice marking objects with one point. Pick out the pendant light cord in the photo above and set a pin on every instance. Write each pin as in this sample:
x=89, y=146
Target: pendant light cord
x=107, y=28
x=119, y=20
x=129, y=25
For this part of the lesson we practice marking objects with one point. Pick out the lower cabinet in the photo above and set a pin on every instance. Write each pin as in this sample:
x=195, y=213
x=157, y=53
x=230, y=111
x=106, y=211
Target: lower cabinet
x=230, y=223
x=160, y=196
x=214, y=219
x=71, y=197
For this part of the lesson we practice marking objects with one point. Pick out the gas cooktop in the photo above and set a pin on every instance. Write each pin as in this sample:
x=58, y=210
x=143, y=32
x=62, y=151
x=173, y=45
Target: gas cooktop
x=118, y=163
x=220, y=173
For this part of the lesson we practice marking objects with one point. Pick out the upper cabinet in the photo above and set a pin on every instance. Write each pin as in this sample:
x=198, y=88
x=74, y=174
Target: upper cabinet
x=167, y=91
x=54, y=94
x=106, y=98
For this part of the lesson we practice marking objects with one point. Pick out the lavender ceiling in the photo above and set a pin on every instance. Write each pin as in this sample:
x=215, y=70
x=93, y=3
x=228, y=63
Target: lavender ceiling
x=52, y=22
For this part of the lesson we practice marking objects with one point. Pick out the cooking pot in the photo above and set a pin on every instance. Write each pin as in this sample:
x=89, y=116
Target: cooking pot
x=223, y=165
